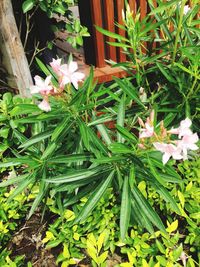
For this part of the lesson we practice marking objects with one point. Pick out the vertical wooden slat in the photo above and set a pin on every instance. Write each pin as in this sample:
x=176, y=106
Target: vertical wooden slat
x=96, y=10
x=143, y=8
x=120, y=7
x=109, y=24
x=133, y=6
x=14, y=58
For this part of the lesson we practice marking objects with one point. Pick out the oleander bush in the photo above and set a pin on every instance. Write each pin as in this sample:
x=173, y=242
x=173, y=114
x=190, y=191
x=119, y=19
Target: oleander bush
x=117, y=164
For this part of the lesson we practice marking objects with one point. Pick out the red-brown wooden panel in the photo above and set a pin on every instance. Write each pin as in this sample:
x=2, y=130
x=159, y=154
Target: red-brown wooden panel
x=119, y=8
x=99, y=39
x=109, y=24
x=143, y=8
x=133, y=6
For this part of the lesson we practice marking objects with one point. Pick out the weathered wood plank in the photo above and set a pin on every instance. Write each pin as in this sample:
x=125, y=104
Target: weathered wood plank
x=14, y=58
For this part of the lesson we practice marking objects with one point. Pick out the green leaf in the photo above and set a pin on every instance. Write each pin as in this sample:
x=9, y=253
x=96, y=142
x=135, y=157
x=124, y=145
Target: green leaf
x=126, y=134
x=103, y=119
x=60, y=128
x=71, y=158
x=120, y=148
x=24, y=109
x=167, y=197
x=49, y=150
x=42, y=191
x=128, y=88
x=21, y=187
x=121, y=117
x=36, y=139
x=163, y=7
x=111, y=34
x=108, y=159
x=125, y=211
x=166, y=73
x=94, y=198
x=139, y=216
x=78, y=175
x=28, y=5
x=103, y=257
x=14, y=180
x=10, y=163
x=147, y=209
x=123, y=45
x=104, y=133
x=100, y=241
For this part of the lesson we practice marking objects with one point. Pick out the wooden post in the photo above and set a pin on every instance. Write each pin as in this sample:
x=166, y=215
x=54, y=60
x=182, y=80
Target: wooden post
x=14, y=58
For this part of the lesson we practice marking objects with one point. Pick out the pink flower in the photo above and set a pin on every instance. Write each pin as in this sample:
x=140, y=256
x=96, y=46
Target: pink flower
x=169, y=151
x=44, y=88
x=146, y=132
x=70, y=75
x=44, y=105
x=186, y=9
x=67, y=73
x=55, y=64
x=183, y=129
x=188, y=143
x=41, y=86
x=148, y=129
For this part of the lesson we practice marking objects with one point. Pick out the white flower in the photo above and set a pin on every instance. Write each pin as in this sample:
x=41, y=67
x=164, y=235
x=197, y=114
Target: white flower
x=183, y=129
x=186, y=9
x=169, y=151
x=188, y=143
x=42, y=86
x=70, y=75
x=44, y=105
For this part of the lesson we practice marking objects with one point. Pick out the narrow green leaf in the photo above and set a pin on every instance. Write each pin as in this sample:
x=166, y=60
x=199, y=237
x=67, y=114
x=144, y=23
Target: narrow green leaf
x=139, y=216
x=166, y=73
x=104, y=133
x=60, y=128
x=126, y=134
x=49, y=150
x=111, y=34
x=71, y=158
x=21, y=187
x=166, y=196
x=102, y=160
x=9, y=164
x=14, y=180
x=125, y=211
x=147, y=209
x=94, y=198
x=78, y=175
x=121, y=117
x=129, y=90
x=36, y=139
x=42, y=191
x=101, y=120
x=24, y=109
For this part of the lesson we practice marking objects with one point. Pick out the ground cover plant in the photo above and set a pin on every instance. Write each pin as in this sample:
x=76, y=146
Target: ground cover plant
x=103, y=158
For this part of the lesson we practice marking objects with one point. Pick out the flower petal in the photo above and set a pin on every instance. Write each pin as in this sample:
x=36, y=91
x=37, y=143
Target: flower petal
x=44, y=105
x=72, y=66
x=39, y=81
x=34, y=89
x=165, y=158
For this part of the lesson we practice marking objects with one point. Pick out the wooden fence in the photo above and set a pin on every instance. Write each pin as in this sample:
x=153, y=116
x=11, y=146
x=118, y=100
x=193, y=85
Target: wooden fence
x=105, y=13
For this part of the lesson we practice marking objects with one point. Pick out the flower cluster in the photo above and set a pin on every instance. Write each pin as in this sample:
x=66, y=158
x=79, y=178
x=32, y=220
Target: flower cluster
x=177, y=149
x=66, y=74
